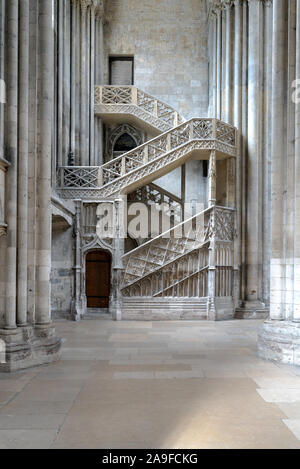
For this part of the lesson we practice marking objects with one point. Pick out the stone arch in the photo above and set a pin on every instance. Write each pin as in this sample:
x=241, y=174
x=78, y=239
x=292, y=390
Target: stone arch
x=93, y=244
x=98, y=278
x=120, y=130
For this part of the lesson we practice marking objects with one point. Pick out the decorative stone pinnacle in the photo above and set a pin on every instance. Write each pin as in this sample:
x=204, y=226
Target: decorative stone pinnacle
x=216, y=6
x=85, y=4
x=99, y=9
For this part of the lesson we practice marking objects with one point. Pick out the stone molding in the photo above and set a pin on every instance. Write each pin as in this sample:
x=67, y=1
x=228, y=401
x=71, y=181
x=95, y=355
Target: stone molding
x=216, y=6
x=3, y=229
x=97, y=6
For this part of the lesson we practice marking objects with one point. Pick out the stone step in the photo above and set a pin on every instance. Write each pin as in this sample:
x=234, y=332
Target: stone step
x=246, y=314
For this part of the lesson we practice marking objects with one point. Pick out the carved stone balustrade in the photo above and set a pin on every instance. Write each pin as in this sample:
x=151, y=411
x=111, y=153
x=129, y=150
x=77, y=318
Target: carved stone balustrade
x=198, y=268
x=213, y=224
x=152, y=194
x=111, y=102
x=81, y=177
x=195, y=138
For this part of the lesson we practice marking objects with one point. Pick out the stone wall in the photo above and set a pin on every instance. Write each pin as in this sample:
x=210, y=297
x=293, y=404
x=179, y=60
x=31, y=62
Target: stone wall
x=168, y=40
x=62, y=274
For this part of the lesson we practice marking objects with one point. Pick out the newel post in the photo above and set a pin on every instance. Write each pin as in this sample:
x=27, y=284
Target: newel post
x=77, y=307
x=212, y=268
x=120, y=228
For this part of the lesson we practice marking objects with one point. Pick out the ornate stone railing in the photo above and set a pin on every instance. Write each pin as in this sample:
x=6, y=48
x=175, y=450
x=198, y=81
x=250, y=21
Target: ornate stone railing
x=81, y=177
x=187, y=277
x=131, y=100
x=153, y=194
x=164, y=248
x=150, y=160
x=212, y=224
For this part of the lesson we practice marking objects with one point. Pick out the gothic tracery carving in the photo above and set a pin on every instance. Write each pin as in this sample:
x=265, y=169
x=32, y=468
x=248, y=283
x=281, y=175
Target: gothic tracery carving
x=114, y=134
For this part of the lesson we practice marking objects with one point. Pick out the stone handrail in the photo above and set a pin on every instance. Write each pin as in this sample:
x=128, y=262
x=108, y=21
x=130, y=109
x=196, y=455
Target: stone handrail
x=185, y=276
x=153, y=194
x=194, y=129
x=80, y=177
x=152, y=159
x=212, y=223
x=165, y=247
x=129, y=99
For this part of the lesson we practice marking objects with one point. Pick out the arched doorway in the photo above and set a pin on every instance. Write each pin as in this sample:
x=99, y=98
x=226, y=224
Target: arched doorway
x=98, y=274
x=124, y=144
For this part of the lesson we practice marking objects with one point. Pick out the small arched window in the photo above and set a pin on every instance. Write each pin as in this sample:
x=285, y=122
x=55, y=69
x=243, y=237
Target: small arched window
x=124, y=143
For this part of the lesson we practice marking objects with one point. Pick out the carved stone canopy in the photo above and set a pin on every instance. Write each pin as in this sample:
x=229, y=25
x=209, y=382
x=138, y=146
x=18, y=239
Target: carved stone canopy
x=96, y=5
x=215, y=6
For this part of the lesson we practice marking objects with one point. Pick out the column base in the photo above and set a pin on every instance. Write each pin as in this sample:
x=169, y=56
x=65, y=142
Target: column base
x=280, y=341
x=253, y=309
x=220, y=309
x=29, y=347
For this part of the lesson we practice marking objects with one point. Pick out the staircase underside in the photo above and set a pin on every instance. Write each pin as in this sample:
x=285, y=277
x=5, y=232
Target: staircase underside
x=130, y=114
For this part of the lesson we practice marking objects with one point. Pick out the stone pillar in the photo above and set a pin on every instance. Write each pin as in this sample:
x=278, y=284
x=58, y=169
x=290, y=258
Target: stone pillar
x=277, y=273
x=92, y=84
x=212, y=179
x=74, y=37
x=297, y=179
x=84, y=157
x=11, y=132
x=78, y=268
x=60, y=83
x=2, y=68
x=23, y=163
x=213, y=69
x=291, y=182
x=254, y=167
x=219, y=64
x=228, y=65
x=279, y=338
x=237, y=121
x=3, y=227
x=231, y=183
x=43, y=243
x=119, y=224
x=99, y=74
x=211, y=287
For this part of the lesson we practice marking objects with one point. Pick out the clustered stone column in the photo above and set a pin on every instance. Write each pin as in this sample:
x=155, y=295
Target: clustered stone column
x=80, y=65
x=11, y=133
x=25, y=322
x=266, y=110
x=240, y=78
x=280, y=337
x=23, y=164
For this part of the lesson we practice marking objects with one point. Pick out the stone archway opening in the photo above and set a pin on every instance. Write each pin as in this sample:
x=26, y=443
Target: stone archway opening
x=98, y=279
x=124, y=143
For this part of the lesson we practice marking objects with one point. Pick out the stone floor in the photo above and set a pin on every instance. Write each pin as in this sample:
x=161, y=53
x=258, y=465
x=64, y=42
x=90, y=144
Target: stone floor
x=153, y=385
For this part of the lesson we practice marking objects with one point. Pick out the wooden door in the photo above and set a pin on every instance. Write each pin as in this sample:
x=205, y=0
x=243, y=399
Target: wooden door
x=98, y=268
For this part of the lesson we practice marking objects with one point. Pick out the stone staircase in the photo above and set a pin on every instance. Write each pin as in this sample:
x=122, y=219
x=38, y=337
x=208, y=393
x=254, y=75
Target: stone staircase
x=146, y=163
x=186, y=271
x=165, y=248
x=130, y=103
